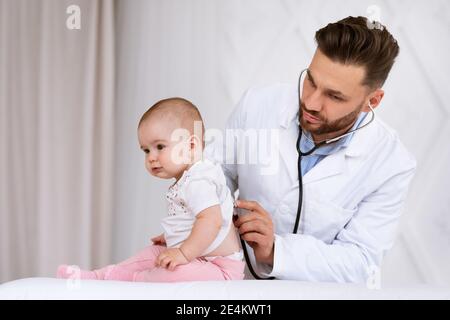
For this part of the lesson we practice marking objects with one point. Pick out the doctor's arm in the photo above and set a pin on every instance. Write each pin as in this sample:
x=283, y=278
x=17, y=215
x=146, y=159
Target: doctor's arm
x=358, y=248
x=355, y=253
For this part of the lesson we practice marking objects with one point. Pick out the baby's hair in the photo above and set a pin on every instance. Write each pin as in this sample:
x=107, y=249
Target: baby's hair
x=178, y=109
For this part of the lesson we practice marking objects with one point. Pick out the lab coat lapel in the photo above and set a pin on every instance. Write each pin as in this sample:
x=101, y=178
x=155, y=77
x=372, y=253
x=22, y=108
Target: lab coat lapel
x=362, y=142
x=331, y=165
x=288, y=150
x=334, y=164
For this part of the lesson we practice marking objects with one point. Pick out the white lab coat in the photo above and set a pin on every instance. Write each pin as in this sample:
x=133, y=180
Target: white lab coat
x=352, y=199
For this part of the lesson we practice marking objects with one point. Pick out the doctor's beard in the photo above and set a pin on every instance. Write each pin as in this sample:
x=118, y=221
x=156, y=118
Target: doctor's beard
x=325, y=126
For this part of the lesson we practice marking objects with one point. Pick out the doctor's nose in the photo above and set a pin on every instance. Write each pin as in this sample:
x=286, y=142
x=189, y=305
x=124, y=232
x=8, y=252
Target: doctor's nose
x=313, y=102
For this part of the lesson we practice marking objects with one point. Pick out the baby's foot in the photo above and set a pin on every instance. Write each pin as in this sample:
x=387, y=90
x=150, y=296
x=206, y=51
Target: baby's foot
x=74, y=272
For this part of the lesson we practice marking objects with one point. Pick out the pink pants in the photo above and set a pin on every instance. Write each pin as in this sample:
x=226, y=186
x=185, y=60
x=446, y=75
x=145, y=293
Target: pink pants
x=141, y=267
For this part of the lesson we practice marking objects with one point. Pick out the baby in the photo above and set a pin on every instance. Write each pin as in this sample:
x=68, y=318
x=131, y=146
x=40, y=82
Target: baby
x=199, y=240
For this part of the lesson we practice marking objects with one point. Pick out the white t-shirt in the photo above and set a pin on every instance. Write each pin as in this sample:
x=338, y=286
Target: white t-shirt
x=200, y=187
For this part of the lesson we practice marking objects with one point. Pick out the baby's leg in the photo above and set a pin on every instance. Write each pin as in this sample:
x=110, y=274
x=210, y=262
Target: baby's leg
x=197, y=270
x=125, y=270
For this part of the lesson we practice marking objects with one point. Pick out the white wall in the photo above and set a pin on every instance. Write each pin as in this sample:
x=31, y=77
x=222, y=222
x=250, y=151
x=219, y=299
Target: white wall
x=211, y=51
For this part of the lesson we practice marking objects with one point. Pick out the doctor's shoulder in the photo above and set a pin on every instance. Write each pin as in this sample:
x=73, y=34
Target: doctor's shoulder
x=260, y=104
x=399, y=155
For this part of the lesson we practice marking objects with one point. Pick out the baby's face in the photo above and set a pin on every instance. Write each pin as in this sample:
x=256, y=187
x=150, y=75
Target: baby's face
x=155, y=140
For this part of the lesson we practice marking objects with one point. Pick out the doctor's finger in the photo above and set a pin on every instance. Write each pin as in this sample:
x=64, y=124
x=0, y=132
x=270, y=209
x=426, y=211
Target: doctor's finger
x=254, y=238
x=255, y=226
x=249, y=205
x=250, y=216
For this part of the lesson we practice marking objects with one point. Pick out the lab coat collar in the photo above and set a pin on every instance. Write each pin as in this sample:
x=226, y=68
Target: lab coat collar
x=289, y=111
x=363, y=140
x=336, y=163
x=332, y=165
x=361, y=143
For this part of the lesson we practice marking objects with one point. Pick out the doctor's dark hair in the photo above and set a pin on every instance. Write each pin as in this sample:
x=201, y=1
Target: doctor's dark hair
x=358, y=41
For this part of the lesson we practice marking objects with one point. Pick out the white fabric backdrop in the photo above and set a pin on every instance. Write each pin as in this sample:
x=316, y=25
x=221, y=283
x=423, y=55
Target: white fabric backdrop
x=211, y=51
x=56, y=136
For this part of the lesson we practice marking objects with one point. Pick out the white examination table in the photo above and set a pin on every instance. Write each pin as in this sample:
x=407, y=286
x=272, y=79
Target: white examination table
x=49, y=288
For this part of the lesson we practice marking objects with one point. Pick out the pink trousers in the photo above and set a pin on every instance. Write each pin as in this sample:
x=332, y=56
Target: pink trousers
x=141, y=267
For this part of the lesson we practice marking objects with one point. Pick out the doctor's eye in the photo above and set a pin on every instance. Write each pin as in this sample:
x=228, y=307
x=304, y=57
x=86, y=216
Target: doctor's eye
x=334, y=97
x=160, y=146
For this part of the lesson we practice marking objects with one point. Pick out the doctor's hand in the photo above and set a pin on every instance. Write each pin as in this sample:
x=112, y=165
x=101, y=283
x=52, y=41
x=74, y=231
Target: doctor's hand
x=256, y=228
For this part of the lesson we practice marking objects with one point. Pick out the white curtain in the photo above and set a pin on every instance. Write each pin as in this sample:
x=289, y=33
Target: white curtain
x=56, y=136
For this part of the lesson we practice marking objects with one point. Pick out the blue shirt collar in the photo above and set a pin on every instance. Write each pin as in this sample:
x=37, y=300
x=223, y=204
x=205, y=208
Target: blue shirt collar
x=306, y=141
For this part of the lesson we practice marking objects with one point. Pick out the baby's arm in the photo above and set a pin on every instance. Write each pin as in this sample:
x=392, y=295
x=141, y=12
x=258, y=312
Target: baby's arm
x=206, y=227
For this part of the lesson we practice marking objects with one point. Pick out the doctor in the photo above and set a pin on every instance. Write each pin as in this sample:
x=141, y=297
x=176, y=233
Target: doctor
x=353, y=188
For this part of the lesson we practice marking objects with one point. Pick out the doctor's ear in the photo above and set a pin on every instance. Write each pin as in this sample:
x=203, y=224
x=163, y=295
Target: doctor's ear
x=374, y=100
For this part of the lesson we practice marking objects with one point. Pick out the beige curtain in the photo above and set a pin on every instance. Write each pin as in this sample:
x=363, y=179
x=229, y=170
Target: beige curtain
x=56, y=136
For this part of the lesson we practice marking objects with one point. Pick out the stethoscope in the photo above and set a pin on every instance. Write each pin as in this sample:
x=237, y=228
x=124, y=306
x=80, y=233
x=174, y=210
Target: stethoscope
x=301, y=154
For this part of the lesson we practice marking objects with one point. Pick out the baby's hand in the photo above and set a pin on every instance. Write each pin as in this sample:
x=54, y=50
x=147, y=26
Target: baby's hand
x=159, y=240
x=171, y=258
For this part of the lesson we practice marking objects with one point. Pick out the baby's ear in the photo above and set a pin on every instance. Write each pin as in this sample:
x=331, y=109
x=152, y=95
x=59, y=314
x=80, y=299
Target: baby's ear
x=196, y=145
x=195, y=141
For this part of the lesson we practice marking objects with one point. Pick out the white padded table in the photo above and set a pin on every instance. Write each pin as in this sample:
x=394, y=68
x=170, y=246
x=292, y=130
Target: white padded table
x=50, y=288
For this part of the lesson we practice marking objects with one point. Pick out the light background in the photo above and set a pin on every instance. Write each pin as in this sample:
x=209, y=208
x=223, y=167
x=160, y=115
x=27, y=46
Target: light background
x=209, y=52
